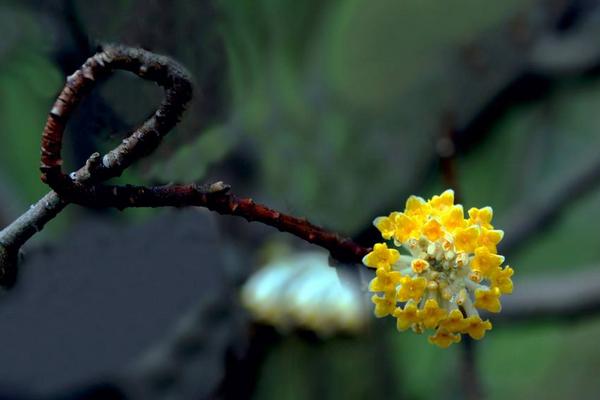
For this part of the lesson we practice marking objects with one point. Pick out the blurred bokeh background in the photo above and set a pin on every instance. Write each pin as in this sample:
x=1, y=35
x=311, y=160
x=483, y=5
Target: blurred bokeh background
x=334, y=110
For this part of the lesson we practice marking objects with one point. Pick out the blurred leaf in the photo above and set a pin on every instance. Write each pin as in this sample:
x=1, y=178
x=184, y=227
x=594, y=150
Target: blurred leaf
x=514, y=362
x=535, y=148
x=28, y=84
x=379, y=49
x=340, y=368
x=344, y=100
x=428, y=372
x=29, y=81
x=190, y=162
x=572, y=369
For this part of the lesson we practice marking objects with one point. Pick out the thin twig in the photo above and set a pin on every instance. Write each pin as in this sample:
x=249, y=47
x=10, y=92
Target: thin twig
x=160, y=69
x=216, y=197
x=22, y=229
x=147, y=65
x=84, y=186
x=144, y=140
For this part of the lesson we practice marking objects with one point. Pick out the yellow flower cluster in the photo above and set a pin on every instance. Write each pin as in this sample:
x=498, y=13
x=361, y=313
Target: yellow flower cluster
x=446, y=269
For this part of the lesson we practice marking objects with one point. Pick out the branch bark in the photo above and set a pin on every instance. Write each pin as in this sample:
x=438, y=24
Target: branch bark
x=85, y=186
x=216, y=197
x=142, y=141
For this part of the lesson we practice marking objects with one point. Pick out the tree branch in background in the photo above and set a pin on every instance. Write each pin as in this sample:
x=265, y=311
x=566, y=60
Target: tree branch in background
x=534, y=215
x=84, y=187
x=560, y=296
x=502, y=68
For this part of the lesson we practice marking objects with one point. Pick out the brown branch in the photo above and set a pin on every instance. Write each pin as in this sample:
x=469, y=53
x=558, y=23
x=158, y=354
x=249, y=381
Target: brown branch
x=84, y=186
x=160, y=69
x=216, y=197
x=145, y=139
x=178, y=92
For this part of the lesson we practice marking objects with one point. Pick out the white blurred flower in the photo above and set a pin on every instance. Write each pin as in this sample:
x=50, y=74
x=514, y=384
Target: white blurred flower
x=303, y=291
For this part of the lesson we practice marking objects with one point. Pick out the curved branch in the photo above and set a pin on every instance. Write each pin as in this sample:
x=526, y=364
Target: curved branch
x=84, y=186
x=178, y=92
x=160, y=69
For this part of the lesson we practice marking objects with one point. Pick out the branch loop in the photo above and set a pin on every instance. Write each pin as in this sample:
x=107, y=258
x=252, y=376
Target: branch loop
x=84, y=187
x=142, y=141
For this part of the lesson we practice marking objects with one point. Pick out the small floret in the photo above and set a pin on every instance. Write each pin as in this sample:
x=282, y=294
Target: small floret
x=476, y=328
x=481, y=216
x=384, y=305
x=465, y=240
x=431, y=314
x=381, y=257
x=385, y=281
x=412, y=289
x=488, y=299
x=444, y=338
x=407, y=316
x=485, y=261
x=501, y=280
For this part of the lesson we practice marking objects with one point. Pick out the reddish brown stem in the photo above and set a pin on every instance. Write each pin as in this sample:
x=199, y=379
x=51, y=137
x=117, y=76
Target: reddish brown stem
x=216, y=197
x=83, y=187
x=162, y=70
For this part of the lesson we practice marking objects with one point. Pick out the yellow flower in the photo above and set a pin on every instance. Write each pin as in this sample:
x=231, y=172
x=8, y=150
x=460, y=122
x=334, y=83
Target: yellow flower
x=449, y=268
x=417, y=207
x=443, y=201
x=412, y=289
x=385, y=281
x=465, y=240
x=419, y=265
x=431, y=314
x=405, y=227
x=432, y=229
x=501, y=280
x=407, y=316
x=381, y=257
x=444, y=338
x=490, y=238
x=384, y=305
x=485, y=261
x=481, y=216
x=454, y=218
x=455, y=322
x=488, y=299
x=386, y=225
x=476, y=328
